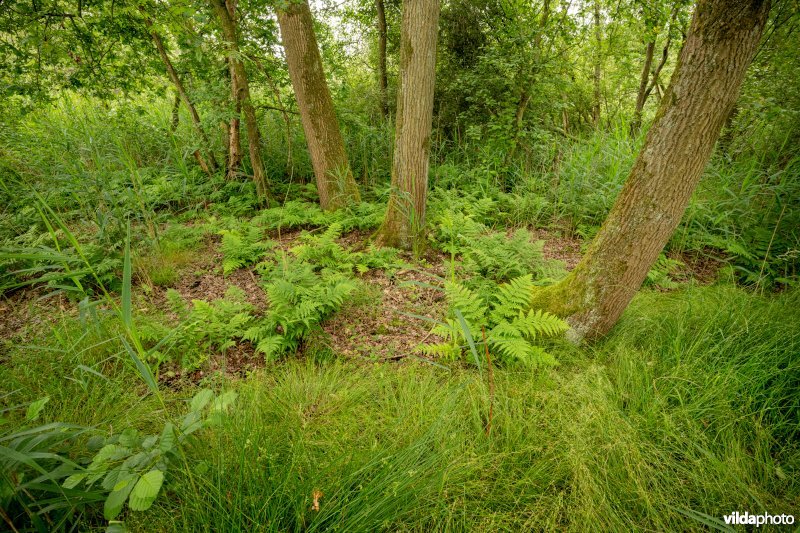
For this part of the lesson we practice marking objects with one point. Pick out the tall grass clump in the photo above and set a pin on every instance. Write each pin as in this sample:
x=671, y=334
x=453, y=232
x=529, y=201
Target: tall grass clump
x=688, y=412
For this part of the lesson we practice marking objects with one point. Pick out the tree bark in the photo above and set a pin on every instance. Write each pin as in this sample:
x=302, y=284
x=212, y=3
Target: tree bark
x=721, y=43
x=404, y=223
x=640, y=97
x=234, y=129
x=176, y=116
x=335, y=183
x=383, y=82
x=240, y=85
x=211, y=165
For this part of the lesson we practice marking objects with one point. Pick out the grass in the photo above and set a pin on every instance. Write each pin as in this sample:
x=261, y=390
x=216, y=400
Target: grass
x=690, y=410
x=691, y=406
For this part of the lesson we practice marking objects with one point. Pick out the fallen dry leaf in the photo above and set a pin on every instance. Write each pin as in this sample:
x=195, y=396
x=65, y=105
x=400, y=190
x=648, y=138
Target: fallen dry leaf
x=317, y=494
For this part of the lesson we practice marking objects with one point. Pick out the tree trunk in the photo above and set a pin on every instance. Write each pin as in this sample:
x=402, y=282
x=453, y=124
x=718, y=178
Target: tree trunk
x=640, y=97
x=287, y=122
x=405, y=215
x=240, y=85
x=176, y=116
x=211, y=165
x=234, y=129
x=335, y=183
x=519, y=117
x=721, y=43
x=664, y=56
x=598, y=36
x=525, y=97
x=383, y=83
x=727, y=135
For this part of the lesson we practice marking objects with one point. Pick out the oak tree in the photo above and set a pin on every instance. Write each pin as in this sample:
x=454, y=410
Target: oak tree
x=722, y=40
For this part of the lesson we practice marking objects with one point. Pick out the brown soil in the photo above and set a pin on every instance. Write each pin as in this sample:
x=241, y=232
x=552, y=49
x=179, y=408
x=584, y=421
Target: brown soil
x=24, y=312
x=702, y=267
x=381, y=329
x=236, y=362
x=558, y=247
x=375, y=327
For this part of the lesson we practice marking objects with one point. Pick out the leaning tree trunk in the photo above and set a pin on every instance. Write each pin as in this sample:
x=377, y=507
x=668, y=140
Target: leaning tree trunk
x=242, y=88
x=383, y=81
x=405, y=215
x=211, y=165
x=335, y=183
x=721, y=43
x=640, y=97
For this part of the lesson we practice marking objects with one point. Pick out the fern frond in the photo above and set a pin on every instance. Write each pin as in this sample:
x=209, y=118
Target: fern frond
x=512, y=348
x=447, y=351
x=539, y=323
x=512, y=297
x=470, y=304
x=272, y=347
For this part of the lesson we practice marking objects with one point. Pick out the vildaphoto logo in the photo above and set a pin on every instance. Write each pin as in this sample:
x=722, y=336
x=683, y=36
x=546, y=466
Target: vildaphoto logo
x=746, y=519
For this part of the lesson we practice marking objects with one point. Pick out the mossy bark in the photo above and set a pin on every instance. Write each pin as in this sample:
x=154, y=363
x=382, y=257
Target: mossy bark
x=335, y=182
x=240, y=85
x=722, y=40
x=404, y=223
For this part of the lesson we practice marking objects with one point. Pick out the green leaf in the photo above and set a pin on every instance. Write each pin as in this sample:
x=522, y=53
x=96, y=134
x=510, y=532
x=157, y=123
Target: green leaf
x=116, y=499
x=201, y=399
x=111, y=479
x=115, y=526
x=224, y=401
x=72, y=481
x=35, y=409
x=146, y=490
x=191, y=422
x=126, y=281
x=470, y=341
x=144, y=370
x=167, y=442
x=129, y=438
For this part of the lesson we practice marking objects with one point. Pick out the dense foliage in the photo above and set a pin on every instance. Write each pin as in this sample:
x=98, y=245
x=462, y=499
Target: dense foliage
x=142, y=291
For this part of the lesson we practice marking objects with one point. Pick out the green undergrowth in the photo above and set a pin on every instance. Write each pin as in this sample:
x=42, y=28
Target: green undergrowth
x=687, y=412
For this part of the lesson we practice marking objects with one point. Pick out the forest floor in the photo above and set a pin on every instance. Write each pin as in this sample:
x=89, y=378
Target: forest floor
x=374, y=327
x=662, y=426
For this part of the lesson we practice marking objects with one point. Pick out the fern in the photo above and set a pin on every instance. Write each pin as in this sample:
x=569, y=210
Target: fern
x=491, y=257
x=323, y=251
x=212, y=325
x=660, y=275
x=512, y=327
x=292, y=214
x=297, y=214
x=242, y=249
x=300, y=299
